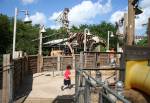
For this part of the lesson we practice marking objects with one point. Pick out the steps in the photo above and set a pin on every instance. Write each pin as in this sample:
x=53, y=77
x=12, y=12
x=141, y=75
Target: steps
x=50, y=100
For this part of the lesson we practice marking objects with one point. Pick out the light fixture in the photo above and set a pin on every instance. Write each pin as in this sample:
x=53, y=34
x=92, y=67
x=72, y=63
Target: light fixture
x=43, y=29
x=112, y=35
x=138, y=10
x=27, y=19
x=135, y=2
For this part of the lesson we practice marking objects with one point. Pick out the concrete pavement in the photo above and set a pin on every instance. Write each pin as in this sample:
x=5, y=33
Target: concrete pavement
x=46, y=88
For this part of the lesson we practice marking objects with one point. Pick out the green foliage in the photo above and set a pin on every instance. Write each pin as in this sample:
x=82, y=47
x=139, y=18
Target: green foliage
x=24, y=36
x=5, y=34
x=142, y=42
x=25, y=33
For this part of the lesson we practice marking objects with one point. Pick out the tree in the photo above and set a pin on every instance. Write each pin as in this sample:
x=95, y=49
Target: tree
x=24, y=36
x=5, y=34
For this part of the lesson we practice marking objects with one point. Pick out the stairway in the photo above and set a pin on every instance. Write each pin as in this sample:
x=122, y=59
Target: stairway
x=50, y=100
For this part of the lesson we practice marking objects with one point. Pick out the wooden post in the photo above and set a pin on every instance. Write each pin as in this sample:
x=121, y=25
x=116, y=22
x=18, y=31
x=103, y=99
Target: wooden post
x=125, y=26
x=6, y=85
x=73, y=61
x=39, y=63
x=26, y=65
x=81, y=60
x=58, y=63
x=87, y=93
x=148, y=32
x=131, y=23
x=76, y=85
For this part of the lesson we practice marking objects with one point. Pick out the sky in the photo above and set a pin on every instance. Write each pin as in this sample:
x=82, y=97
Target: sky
x=45, y=12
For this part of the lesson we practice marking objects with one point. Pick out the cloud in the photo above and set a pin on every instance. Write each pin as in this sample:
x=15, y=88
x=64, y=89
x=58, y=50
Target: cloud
x=116, y=16
x=143, y=18
x=145, y=3
x=85, y=12
x=38, y=18
x=55, y=15
x=55, y=26
x=27, y=1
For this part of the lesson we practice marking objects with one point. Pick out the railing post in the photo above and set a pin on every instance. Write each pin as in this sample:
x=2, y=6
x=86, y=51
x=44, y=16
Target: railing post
x=58, y=63
x=81, y=84
x=76, y=85
x=122, y=66
x=87, y=92
x=39, y=63
x=11, y=71
x=7, y=91
x=73, y=62
x=81, y=59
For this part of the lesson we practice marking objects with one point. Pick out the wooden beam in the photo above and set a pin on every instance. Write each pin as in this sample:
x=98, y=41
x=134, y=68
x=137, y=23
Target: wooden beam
x=131, y=23
x=5, y=88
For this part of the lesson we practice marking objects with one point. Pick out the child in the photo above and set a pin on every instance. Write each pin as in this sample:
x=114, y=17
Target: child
x=67, y=80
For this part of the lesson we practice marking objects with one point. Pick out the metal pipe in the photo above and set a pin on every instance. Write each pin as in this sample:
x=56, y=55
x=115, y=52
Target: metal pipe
x=101, y=84
x=40, y=43
x=85, y=34
x=108, y=41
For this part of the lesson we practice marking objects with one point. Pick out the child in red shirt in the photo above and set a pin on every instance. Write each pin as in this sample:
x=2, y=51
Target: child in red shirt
x=67, y=80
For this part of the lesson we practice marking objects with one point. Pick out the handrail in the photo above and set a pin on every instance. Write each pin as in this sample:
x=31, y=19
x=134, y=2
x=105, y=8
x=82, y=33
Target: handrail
x=103, y=52
x=88, y=79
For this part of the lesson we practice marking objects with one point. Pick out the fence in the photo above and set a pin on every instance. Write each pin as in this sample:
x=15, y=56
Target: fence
x=97, y=59
x=13, y=76
x=86, y=60
x=33, y=63
x=84, y=83
x=59, y=63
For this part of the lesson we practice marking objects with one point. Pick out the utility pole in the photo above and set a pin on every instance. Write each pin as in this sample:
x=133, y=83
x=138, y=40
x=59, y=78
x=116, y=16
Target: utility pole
x=41, y=31
x=107, y=41
x=40, y=43
x=131, y=23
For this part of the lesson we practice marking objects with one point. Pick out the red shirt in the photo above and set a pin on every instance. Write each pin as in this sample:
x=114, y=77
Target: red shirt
x=67, y=74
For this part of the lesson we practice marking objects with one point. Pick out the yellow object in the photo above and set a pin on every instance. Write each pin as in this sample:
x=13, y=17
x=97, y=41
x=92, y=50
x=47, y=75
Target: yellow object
x=138, y=76
x=57, y=53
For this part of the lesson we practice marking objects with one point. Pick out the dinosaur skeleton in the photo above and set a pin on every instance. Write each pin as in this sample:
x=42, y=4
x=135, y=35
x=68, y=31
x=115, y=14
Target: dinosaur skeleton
x=92, y=41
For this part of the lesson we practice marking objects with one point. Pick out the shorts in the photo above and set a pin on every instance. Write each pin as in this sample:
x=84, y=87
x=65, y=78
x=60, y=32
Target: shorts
x=67, y=82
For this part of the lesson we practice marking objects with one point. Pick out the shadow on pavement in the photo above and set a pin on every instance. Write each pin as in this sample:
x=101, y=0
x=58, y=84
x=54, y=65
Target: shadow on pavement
x=64, y=99
x=22, y=93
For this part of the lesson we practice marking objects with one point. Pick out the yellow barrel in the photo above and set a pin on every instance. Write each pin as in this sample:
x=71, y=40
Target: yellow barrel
x=138, y=76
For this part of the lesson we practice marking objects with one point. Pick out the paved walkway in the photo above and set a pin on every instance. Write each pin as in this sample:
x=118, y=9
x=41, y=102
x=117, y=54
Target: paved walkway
x=47, y=89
